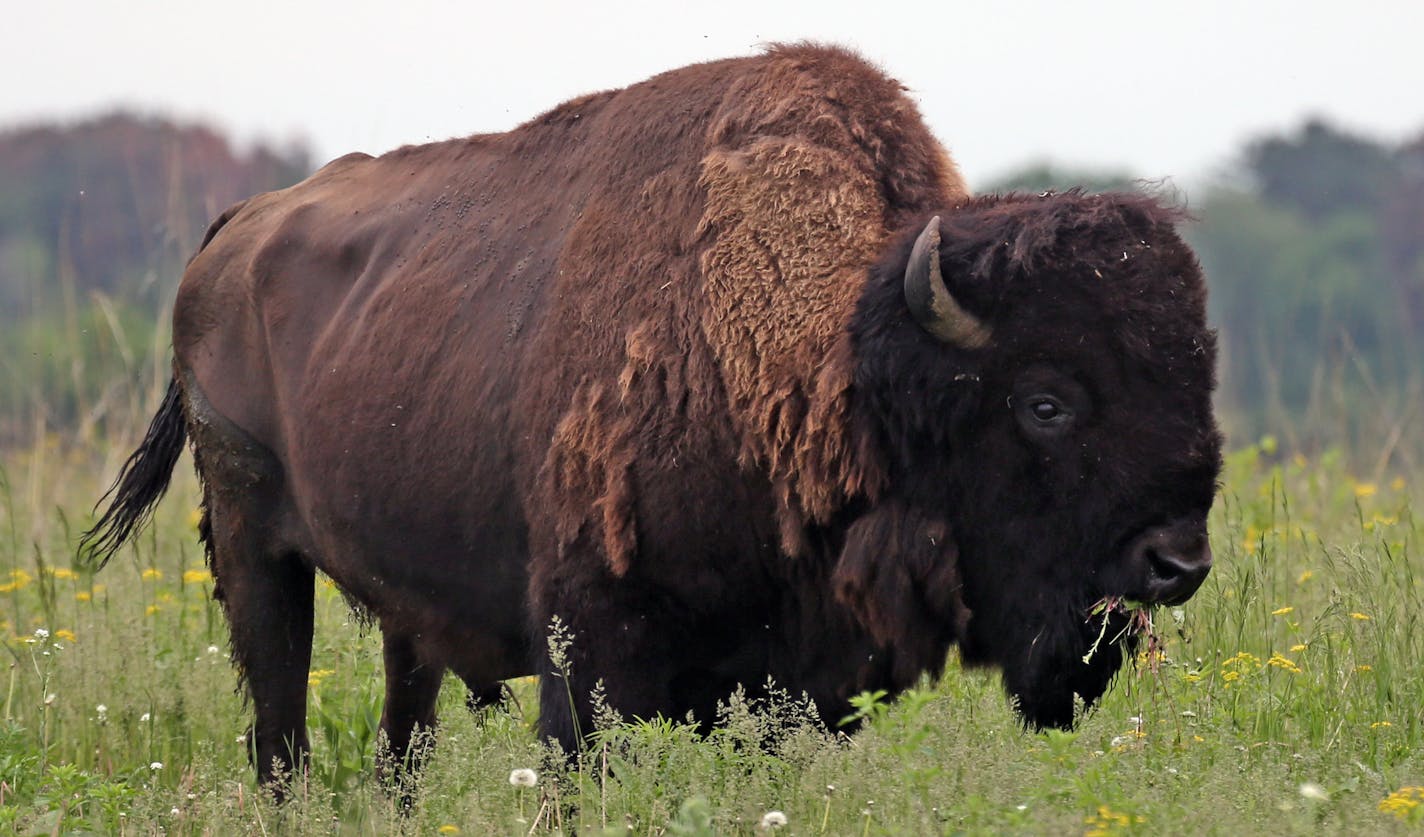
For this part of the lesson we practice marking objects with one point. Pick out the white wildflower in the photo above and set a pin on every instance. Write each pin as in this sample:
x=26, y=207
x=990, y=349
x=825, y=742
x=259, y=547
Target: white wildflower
x=41, y=633
x=773, y=820
x=103, y=712
x=523, y=778
x=175, y=812
x=143, y=719
x=1310, y=790
x=213, y=649
x=158, y=765
x=242, y=739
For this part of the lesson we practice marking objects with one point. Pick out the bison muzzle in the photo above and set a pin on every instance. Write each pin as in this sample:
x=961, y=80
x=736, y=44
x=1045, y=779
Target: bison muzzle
x=727, y=372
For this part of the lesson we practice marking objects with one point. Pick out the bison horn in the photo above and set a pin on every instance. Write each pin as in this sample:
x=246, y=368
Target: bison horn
x=930, y=301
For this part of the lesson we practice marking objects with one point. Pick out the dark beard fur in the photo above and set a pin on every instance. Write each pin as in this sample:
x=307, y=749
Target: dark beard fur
x=1047, y=662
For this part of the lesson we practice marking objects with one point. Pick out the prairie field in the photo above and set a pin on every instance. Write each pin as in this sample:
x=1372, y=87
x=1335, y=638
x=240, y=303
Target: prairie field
x=1286, y=697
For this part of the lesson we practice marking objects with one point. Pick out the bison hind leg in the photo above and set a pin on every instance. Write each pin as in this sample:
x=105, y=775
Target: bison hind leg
x=264, y=582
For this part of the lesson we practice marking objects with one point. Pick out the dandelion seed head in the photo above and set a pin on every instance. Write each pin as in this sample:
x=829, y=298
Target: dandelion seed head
x=1311, y=790
x=523, y=778
x=773, y=820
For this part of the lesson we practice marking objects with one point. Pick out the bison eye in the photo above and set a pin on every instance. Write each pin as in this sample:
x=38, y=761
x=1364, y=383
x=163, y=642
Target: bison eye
x=1045, y=416
x=1048, y=404
x=1045, y=410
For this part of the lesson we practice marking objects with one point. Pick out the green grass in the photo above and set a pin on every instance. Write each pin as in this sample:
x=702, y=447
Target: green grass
x=1289, y=699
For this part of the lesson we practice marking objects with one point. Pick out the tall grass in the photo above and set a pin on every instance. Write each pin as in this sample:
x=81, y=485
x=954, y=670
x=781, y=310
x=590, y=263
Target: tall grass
x=1287, y=699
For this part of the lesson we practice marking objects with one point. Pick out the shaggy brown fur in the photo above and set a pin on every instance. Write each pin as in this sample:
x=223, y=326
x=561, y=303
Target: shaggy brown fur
x=645, y=364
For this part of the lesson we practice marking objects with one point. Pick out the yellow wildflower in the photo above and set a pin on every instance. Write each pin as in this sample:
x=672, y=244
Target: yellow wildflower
x=150, y=610
x=1228, y=676
x=1297, y=648
x=315, y=677
x=1284, y=663
x=1365, y=667
x=1402, y=802
x=1365, y=489
x=1379, y=724
x=194, y=518
x=1107, y=821
x=19, y=579
x=1360, y=617
x=64, y=573
x=83, y=596
x=196, y=576
x=66, y=635
x=1282, y=611
x=1305, y=576
x=151, y=574
x=1381, y=520
x=447, y=828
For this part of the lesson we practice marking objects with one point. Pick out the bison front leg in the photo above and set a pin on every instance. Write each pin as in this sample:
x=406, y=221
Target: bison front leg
x=412, y=686
x=612, y=640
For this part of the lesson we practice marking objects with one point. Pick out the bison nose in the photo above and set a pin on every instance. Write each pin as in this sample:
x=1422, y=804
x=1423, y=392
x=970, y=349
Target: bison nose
x=1174, y=561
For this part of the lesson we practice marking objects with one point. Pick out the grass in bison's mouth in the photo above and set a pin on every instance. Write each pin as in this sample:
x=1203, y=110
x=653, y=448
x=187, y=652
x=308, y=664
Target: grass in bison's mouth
x=1139, y=623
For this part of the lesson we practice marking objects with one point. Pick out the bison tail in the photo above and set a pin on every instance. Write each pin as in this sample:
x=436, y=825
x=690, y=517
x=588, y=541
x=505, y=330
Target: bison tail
x=141, y=482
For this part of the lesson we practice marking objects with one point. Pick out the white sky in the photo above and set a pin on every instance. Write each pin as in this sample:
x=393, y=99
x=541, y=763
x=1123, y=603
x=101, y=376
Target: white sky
x=1164, y=89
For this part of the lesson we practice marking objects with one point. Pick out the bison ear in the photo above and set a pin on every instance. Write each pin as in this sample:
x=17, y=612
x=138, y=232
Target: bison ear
x=930, y=301
x=898, y=574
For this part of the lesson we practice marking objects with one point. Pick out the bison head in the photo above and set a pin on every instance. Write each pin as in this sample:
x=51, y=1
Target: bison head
x=1039, y=373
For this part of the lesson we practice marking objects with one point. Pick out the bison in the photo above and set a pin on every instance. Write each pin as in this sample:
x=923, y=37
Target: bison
x=726, y=372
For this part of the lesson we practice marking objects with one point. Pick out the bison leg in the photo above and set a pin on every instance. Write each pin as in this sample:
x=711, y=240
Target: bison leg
x=265, y=584
x=268, y=600
x=610, y=640
x=412, y=686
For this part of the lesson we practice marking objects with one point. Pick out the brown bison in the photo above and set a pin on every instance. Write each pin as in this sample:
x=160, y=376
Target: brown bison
x=726, y=371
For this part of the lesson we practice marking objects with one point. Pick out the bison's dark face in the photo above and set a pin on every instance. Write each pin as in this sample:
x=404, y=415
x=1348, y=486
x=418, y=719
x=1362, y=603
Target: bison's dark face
x=1067, y=440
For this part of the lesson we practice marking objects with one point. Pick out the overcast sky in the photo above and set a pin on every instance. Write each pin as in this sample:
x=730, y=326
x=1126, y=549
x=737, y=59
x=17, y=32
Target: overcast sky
x=1163, y=89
